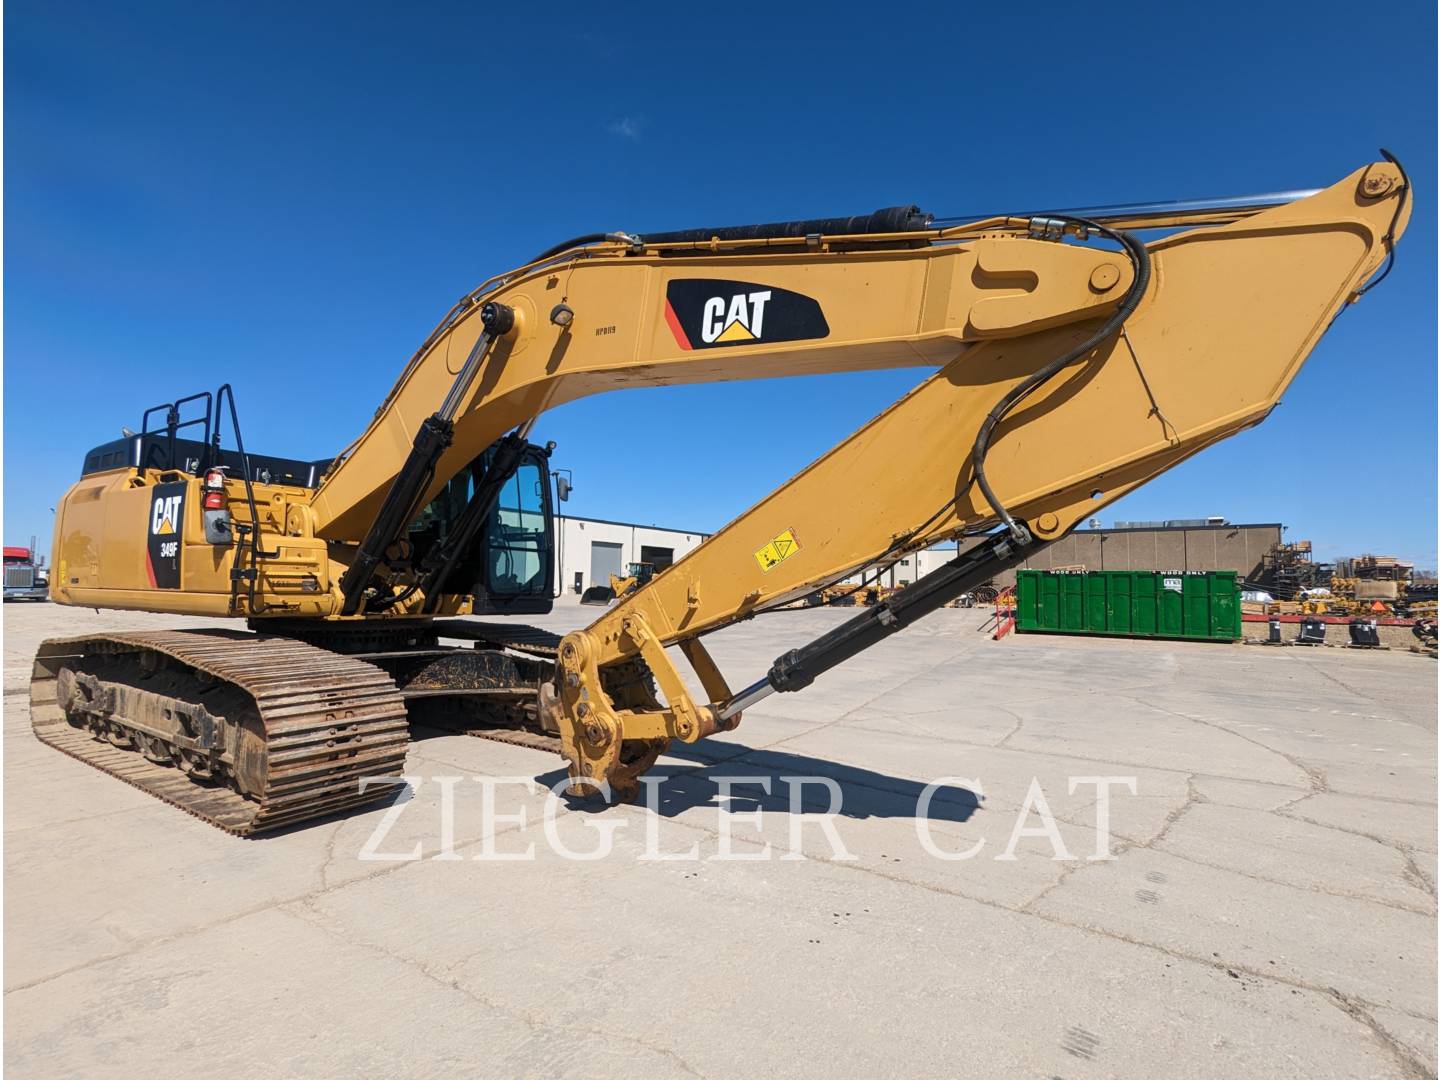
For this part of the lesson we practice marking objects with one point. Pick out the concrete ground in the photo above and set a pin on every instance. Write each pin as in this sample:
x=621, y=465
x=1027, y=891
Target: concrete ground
x=1269, y=909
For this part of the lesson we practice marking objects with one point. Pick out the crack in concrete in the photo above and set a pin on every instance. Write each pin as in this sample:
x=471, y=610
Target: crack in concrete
x=1357, y=1007
x=1193, y=797
x=1316, y=669
x=1339, y=894
x=1219, y=964
x=1292, y=802
x=1065, y=874
x=1319, y=782
x=1070, y=755
x=1038, y=699
x=328, y=856
x=1019, y=723
x=1410, y=1065
x=535, y=1023
x=145, y=944
x=1065, y=756
x=1412, y=872
x=1415, y=873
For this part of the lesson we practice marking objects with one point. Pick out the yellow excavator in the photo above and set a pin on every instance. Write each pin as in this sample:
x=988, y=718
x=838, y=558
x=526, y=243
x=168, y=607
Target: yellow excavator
x=1072, y=360
x=636, y=574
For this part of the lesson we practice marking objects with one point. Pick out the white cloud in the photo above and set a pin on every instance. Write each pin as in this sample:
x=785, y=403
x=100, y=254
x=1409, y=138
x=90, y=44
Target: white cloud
x=627, y=127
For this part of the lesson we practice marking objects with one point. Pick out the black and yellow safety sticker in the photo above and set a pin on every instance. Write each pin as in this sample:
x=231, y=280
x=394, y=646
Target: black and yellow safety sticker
x=777, y=551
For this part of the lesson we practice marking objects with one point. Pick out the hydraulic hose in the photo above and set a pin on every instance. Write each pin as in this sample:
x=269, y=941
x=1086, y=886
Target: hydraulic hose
x=1140, y=260
x=1389, y=239
x=583, y=241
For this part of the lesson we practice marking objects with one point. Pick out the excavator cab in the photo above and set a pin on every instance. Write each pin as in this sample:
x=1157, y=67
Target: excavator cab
x=510, y=566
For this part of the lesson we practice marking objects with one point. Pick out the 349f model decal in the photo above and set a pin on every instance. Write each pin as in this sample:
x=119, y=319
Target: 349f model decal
x=706, y=313
x=162, y=548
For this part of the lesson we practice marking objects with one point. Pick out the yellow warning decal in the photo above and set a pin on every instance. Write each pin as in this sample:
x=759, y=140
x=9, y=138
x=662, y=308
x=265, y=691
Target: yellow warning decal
x=777, y=551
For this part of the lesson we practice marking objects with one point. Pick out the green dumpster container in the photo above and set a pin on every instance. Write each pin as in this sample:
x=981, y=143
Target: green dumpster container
x=1197, y=606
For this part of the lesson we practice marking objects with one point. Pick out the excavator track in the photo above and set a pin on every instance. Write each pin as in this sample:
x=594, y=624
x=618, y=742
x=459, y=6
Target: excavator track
x=524, y=638
x=377, y=644
x=315, y=722
x=531, y=640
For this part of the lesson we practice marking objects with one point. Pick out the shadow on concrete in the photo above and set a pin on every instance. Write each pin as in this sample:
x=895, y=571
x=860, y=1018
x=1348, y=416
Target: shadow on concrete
x=863, y=793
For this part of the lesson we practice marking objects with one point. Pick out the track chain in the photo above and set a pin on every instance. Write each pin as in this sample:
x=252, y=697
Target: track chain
x=328, y=720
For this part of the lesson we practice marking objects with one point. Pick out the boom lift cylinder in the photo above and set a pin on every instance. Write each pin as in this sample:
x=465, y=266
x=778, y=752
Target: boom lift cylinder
x=798, y=668
x=435, y=436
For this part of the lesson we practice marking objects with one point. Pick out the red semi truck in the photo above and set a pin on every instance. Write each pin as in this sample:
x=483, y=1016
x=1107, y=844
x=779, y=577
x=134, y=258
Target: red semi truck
x=25, y=578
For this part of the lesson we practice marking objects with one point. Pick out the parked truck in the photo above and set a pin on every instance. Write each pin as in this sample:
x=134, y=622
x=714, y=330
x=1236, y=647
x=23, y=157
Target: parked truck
x=25, y=577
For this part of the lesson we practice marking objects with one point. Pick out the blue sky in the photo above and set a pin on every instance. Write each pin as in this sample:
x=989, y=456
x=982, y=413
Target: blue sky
x=289, y=196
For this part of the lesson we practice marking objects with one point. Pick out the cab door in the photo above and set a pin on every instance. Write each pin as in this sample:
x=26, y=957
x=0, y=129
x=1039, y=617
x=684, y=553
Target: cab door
x=518, y=563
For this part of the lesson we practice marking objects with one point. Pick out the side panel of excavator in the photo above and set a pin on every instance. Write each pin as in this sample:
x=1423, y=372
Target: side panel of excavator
x=134, y=539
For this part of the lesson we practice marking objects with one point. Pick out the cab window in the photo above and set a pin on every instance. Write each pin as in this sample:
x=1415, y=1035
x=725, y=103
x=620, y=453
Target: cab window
x=518, y=553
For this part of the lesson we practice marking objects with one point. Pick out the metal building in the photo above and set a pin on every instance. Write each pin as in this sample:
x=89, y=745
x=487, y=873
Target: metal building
x=589, y=550
x=1159, y=546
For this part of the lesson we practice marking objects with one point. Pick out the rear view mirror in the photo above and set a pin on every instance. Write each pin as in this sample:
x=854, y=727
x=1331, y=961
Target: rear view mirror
x=562, y=489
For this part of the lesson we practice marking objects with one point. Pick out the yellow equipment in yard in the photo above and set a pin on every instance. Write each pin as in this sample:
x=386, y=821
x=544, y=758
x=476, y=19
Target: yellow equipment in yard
x=637, y=574
x=1073, y=363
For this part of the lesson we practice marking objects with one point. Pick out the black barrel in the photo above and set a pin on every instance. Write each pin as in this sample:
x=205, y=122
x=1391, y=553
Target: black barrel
x=1364, y=633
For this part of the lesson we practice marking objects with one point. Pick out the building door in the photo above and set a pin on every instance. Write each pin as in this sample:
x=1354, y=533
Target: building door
x=657, y=557
x=604, y=561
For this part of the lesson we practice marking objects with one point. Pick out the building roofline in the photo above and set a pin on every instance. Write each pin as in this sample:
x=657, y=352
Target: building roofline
x=633, y=525
x=1185, y=528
